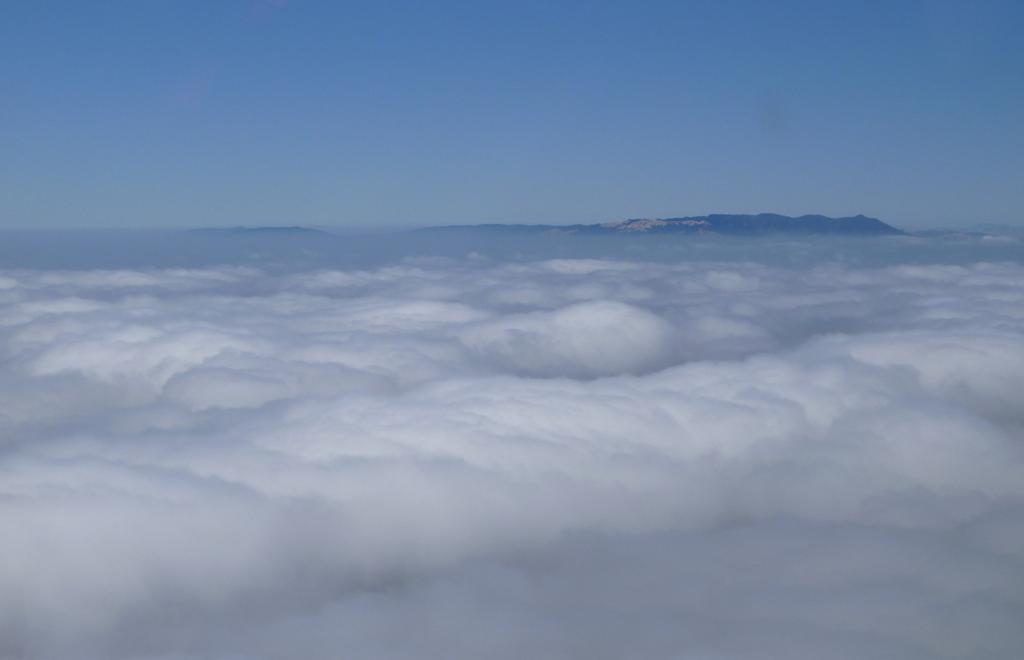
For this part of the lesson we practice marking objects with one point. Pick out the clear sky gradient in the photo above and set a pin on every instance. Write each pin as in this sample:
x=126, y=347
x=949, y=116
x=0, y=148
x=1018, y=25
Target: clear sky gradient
x=149, y=113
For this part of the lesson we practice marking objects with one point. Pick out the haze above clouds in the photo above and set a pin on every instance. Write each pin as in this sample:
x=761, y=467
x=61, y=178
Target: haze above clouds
x=723, y=457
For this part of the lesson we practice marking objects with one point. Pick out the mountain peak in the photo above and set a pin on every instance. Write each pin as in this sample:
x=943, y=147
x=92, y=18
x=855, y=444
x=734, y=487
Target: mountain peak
x=743, y=224
x=716, y=224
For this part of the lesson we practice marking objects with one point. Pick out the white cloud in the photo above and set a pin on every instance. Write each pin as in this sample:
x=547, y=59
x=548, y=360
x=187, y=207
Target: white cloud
x=466, y=458
x=581, y=340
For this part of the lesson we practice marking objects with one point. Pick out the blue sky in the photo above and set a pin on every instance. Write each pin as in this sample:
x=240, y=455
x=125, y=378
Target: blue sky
x=173, y=113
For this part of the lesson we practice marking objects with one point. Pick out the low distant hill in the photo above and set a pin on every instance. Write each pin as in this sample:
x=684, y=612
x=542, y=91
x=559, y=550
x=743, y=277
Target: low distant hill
x=257, y=231
x=717, y=223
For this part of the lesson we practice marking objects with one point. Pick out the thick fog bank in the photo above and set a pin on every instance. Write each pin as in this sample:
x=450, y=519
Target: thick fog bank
x=816, y=453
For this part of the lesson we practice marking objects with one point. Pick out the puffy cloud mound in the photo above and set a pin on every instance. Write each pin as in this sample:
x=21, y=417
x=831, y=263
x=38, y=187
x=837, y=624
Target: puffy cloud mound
x=570, y=458
x=586, y=339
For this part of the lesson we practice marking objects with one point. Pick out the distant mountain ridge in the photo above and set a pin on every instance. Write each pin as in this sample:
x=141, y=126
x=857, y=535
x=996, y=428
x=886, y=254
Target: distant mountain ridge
x=257, y=231
x=715, y=223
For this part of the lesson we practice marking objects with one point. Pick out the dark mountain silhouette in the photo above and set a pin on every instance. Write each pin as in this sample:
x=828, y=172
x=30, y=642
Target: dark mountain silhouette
x=717, y=223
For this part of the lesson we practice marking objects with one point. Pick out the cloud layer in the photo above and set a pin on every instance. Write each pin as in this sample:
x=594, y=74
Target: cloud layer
x=572, y=458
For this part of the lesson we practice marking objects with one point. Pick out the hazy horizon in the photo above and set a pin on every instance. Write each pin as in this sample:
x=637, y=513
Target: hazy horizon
x=375, y=227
